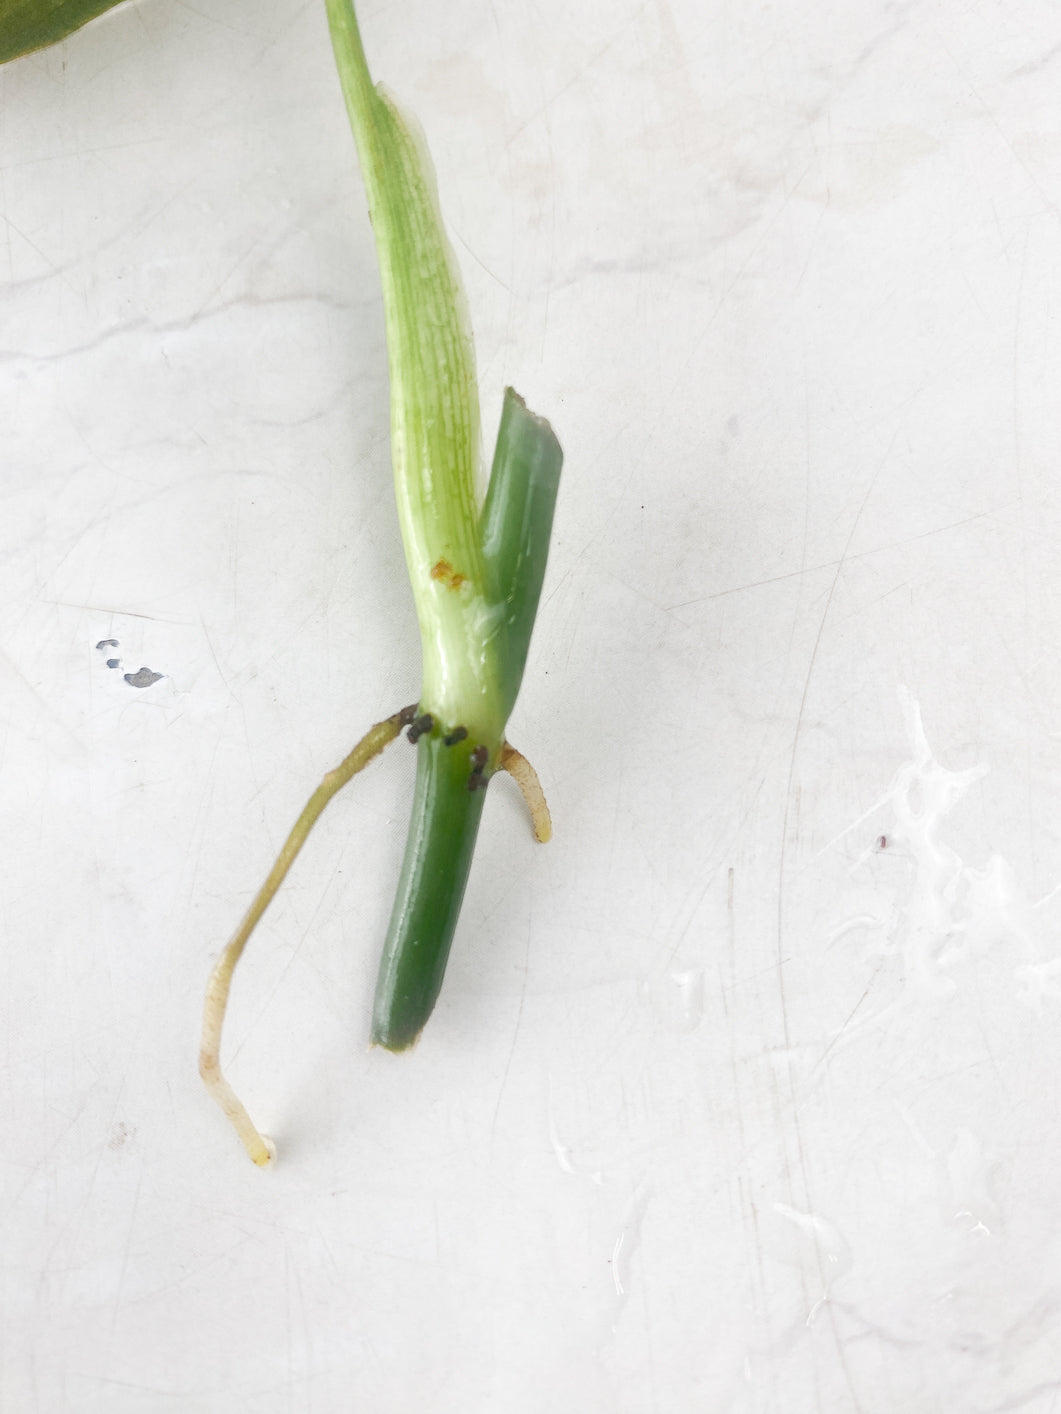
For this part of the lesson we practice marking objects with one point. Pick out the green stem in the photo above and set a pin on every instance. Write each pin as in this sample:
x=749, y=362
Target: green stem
x=438, y=857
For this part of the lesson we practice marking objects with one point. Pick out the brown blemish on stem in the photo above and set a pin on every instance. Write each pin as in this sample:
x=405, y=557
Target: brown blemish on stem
x=443, y=571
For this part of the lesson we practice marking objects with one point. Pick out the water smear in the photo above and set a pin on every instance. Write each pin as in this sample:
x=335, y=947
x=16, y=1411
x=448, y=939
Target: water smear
x=565, y=1156
x=923, y=794
x=626, y=1242
x=821, y=1250
x=965, y=1179
x=952, y=912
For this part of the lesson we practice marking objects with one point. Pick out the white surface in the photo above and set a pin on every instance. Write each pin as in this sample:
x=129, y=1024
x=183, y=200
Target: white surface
x=726, y=1105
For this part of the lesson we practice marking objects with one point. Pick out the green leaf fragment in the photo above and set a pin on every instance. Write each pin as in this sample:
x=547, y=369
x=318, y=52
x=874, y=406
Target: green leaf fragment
x=26, y=25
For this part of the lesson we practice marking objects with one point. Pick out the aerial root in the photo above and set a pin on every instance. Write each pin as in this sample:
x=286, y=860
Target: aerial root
x=526, y=777
x=261, y=1149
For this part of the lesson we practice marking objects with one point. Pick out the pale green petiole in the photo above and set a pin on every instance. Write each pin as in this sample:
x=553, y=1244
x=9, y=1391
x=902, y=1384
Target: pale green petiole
x=434, y=402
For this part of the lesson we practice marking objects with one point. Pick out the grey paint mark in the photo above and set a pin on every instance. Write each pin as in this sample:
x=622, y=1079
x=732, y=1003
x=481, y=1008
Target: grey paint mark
x=119, y=1134
x=113, y=662
x=106, y=643
x=144, y=678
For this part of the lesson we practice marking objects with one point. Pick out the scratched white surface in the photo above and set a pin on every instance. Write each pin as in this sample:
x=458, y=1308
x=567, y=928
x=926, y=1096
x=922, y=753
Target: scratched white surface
x=744, y=1094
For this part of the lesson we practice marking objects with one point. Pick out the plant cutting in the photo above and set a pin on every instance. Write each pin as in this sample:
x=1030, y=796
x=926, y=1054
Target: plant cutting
x=476, y=572
x=476, y=565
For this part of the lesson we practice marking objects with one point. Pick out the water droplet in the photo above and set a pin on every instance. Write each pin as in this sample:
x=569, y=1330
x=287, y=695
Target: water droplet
x=626, y=1242
x=965, y=1178
x=688, y=999
x=564, y=1157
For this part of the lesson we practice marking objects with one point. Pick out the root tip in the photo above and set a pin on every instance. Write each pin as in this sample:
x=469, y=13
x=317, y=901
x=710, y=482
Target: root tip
x=265, y=1156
